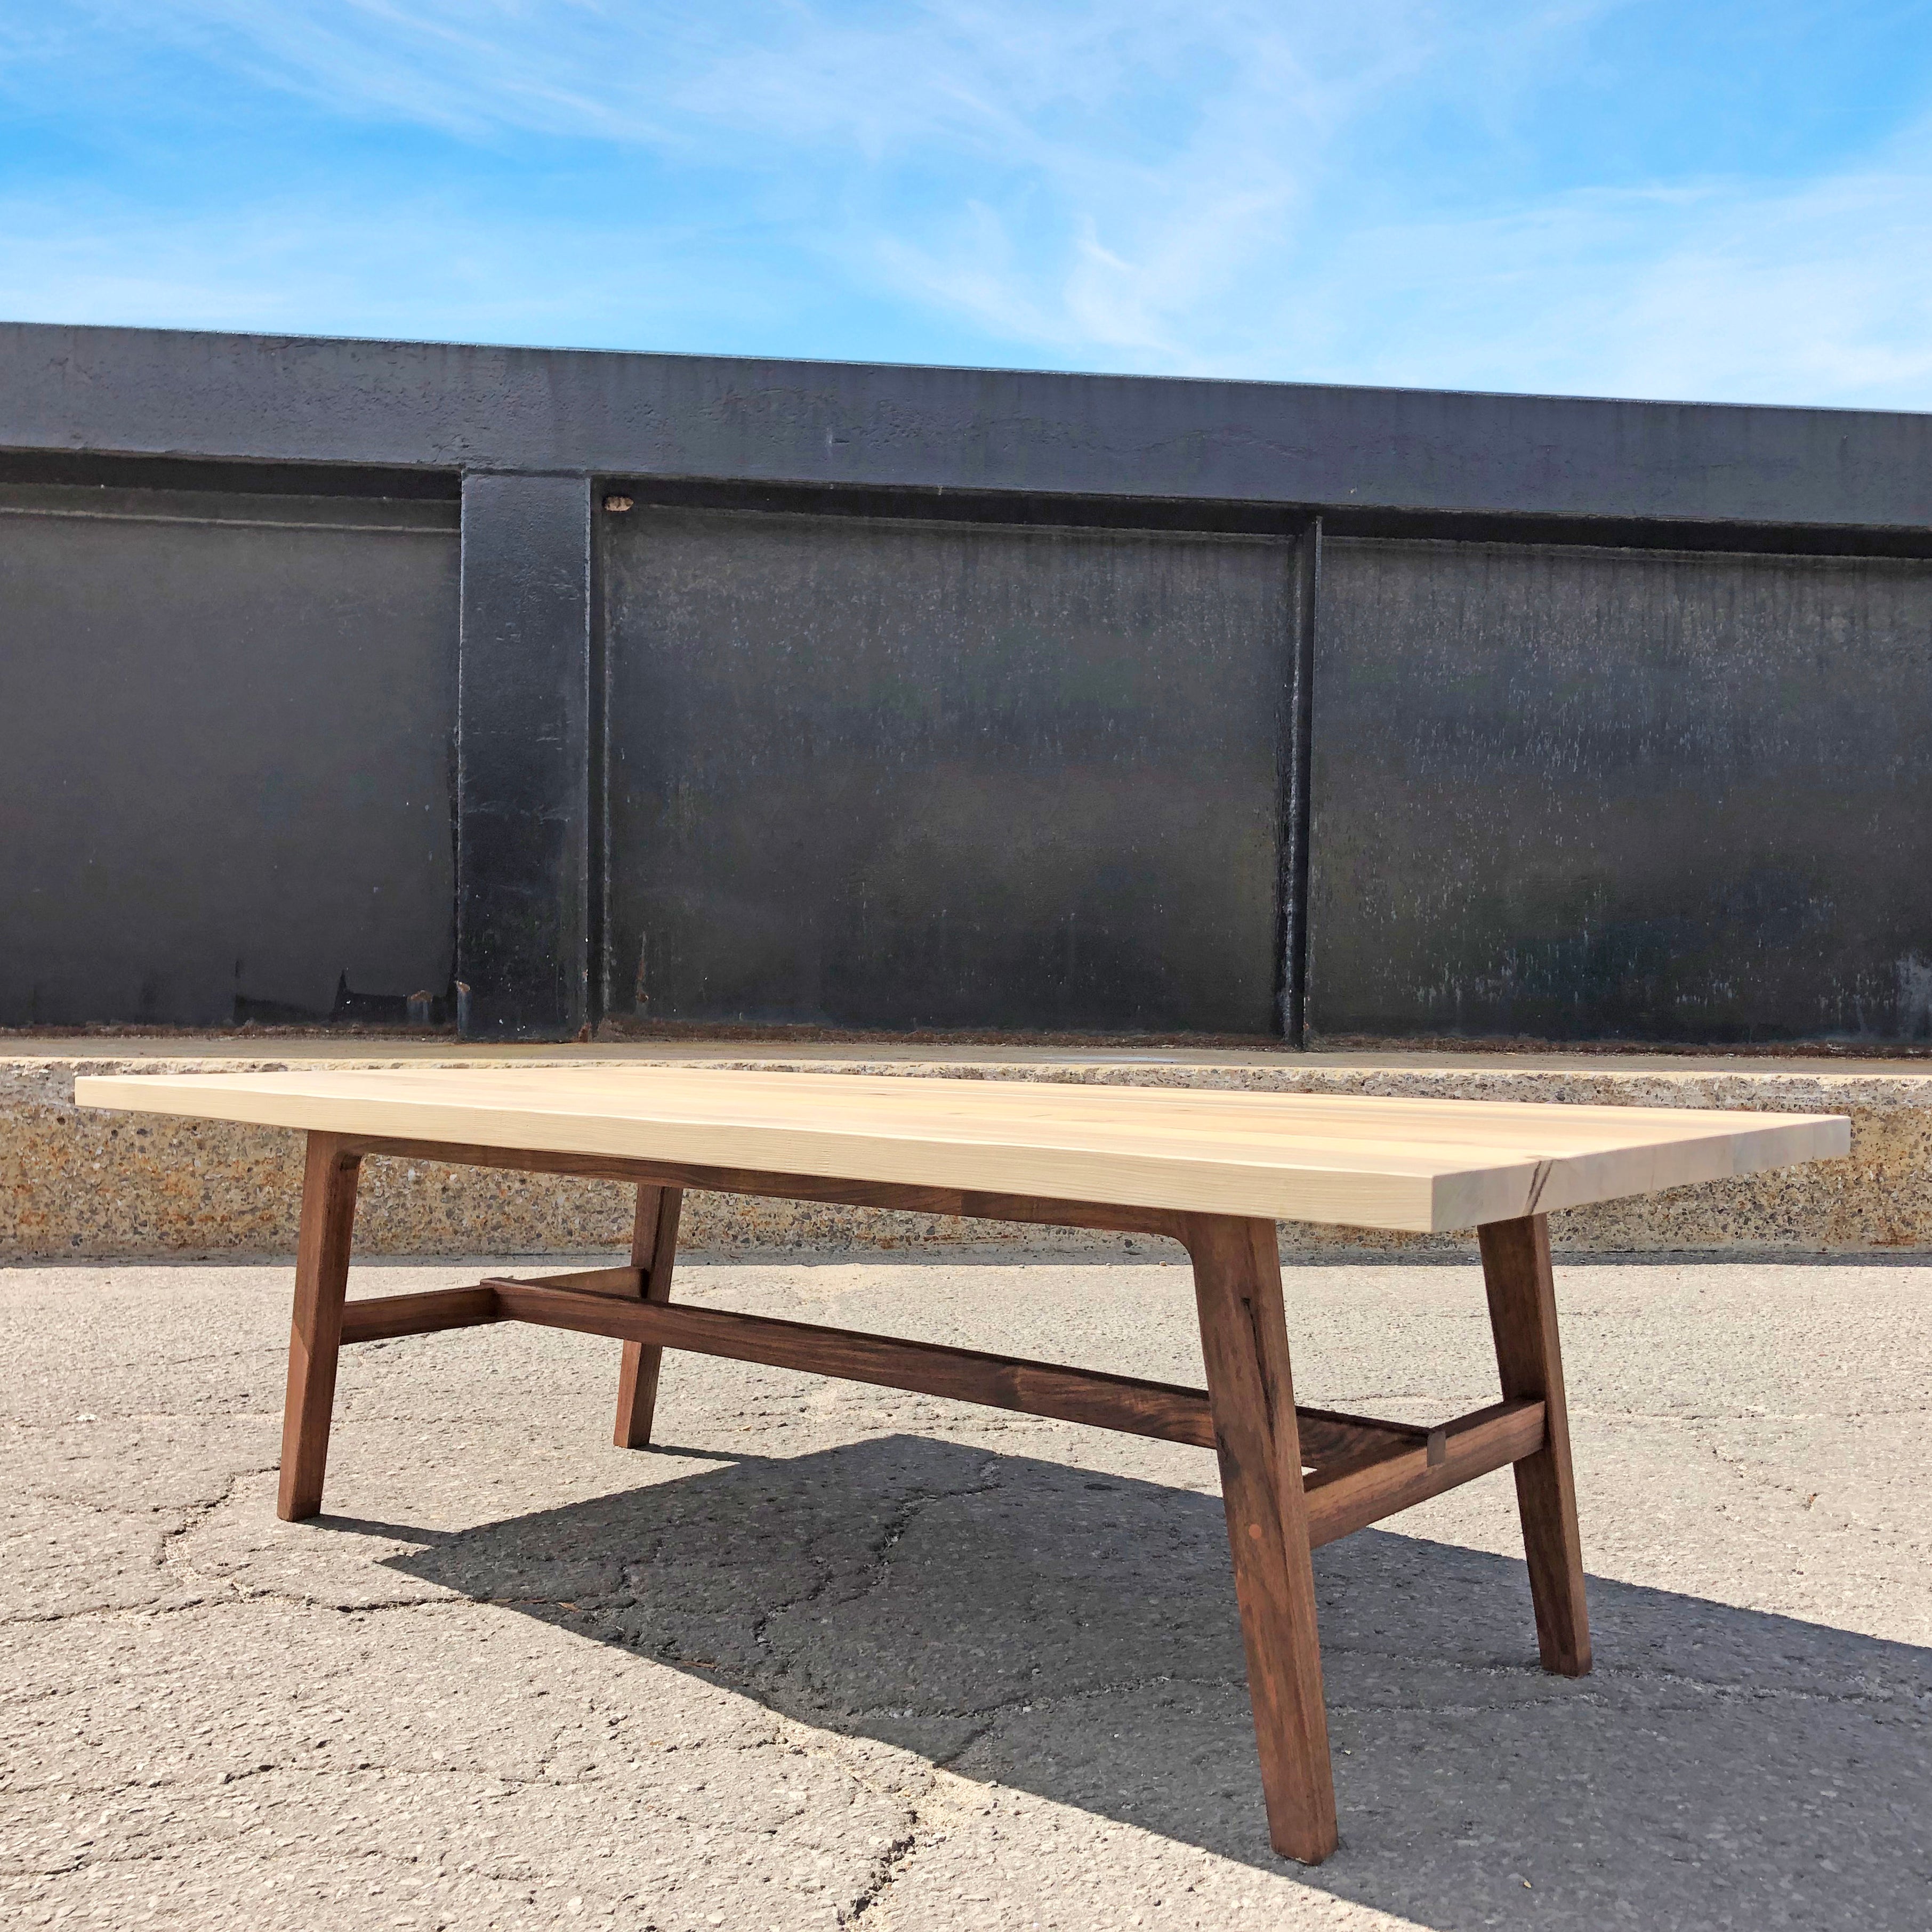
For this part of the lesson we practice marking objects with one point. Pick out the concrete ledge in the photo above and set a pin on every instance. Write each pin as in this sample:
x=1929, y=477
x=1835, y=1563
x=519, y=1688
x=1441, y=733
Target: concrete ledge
x=78, y=1182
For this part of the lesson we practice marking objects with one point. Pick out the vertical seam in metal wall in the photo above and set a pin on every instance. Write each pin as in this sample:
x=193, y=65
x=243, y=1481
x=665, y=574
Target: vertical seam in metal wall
x=459, y=772
x=597, y=751
x=1297, y=755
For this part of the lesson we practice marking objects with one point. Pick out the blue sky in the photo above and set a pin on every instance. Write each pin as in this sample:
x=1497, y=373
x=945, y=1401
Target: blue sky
x=1723, y=201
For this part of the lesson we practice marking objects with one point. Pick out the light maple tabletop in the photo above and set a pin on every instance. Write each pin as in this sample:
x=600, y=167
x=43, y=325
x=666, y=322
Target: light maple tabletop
x=1211, y=1169
x=1358, y=1160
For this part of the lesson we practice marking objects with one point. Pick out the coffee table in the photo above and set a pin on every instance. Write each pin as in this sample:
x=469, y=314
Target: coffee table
x=1213, y=1170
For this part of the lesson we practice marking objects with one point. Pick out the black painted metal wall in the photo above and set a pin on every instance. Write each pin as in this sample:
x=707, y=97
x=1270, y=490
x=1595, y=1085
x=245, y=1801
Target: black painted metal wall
x=227, y=725
x=871, y=772
x=535, y=691
x=1577, y=793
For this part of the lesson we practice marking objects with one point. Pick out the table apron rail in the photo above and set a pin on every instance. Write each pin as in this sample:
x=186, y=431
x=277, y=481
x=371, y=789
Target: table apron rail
x=907, y=1197
x=1365, y=1468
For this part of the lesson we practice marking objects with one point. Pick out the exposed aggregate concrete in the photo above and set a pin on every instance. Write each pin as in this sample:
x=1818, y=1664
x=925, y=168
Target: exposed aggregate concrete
x=834, y=1656
x=79, y=1182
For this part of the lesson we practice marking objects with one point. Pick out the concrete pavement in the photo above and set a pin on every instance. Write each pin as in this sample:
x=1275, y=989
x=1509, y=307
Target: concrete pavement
x=835, y=1655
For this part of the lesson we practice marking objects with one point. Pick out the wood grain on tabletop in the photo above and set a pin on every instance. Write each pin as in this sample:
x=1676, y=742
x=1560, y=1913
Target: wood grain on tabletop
x=1361, y=1160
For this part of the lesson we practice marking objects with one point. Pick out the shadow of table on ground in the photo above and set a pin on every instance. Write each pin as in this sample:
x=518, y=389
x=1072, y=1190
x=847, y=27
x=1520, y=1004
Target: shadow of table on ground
x=1073, y=1635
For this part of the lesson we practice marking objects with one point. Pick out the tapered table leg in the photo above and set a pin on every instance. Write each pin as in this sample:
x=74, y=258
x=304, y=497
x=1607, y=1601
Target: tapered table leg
x=1522, y=1313
x=315, y=1335
x=653, y=1253
x=1244, y=1341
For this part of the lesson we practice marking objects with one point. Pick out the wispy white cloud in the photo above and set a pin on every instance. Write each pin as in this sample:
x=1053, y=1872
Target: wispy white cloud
x=993, y=74
x=1228, y=187
x=1221, y=262
x=1820, y=293
x=419, y=267
x=1116, y=165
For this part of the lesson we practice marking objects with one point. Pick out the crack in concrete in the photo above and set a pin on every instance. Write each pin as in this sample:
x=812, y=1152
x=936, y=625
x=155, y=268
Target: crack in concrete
x=194, y=1514
x=239, y=1599
x=48, y=1425
x=132, y=1512
x=1875, y=1700
x=885, y=1868
x=913, y=1506
x=1034, y=1700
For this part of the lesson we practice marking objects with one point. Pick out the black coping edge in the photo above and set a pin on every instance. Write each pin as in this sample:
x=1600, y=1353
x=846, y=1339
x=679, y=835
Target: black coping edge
x=391, y=406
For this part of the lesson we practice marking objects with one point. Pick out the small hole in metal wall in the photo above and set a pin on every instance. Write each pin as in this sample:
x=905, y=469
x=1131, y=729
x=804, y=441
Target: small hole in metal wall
x=614, y=503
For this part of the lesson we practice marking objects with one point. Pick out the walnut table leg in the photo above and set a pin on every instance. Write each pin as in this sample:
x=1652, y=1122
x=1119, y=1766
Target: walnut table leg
x=653, y=1253
x=315, y=1335
x=1522, y=1313
x=1244, y=1341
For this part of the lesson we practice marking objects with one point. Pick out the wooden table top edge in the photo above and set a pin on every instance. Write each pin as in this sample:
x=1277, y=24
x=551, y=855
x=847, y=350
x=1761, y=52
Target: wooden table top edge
x=1402, y=1190
x=928, y=1082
